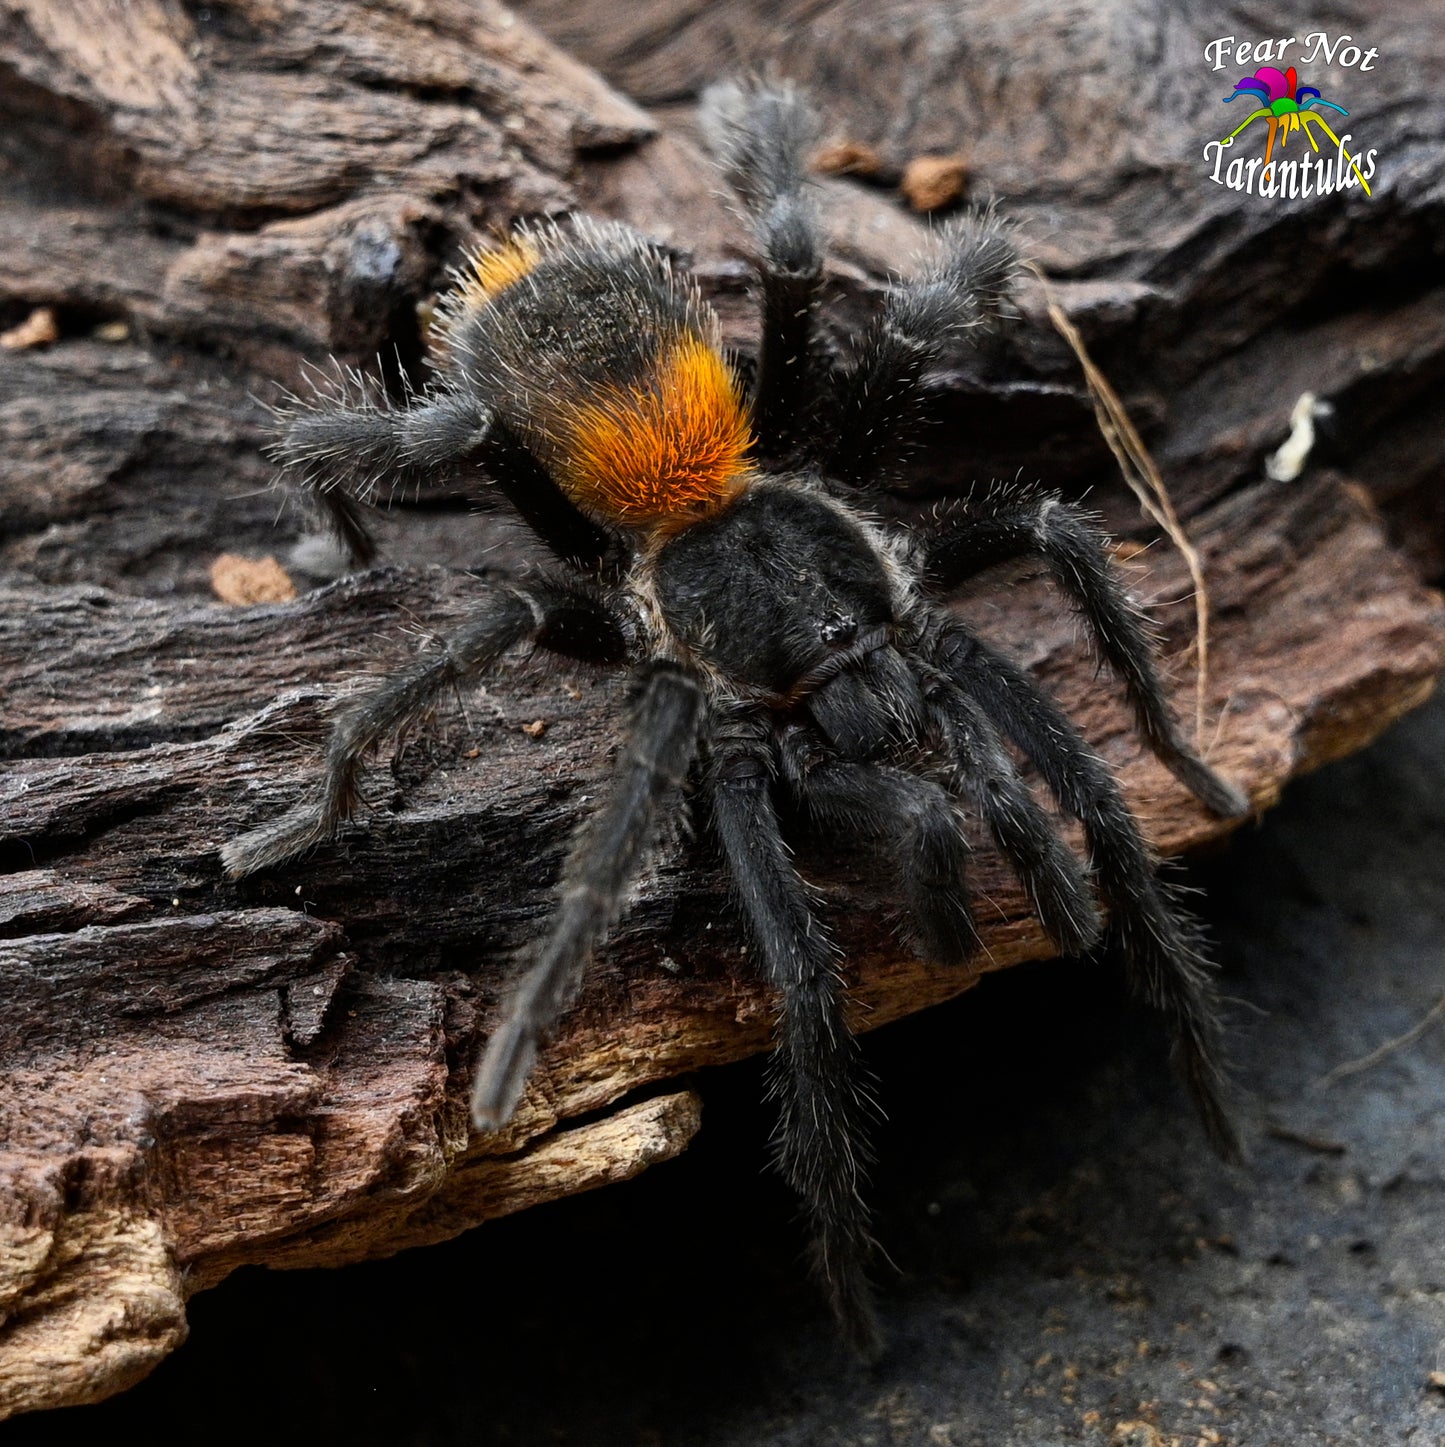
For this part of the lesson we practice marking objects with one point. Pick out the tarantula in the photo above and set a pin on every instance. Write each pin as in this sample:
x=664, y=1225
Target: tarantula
x=782, y=644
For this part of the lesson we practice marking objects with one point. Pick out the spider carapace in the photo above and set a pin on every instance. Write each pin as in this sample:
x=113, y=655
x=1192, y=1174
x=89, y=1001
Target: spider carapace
x=784, y=647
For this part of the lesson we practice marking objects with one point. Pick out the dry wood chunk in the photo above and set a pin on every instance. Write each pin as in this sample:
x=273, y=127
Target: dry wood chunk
x=250, y=580
x=932, y=182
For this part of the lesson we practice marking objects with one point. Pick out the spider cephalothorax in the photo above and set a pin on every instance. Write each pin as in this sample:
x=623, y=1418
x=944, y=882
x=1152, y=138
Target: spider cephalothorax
x=782, y=644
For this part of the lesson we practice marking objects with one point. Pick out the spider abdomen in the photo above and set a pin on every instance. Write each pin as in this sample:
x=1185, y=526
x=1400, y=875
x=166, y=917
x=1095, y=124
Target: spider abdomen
x=608, y=366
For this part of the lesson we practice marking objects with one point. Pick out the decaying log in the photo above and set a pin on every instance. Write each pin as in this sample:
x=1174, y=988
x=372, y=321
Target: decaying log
x=201, y=1074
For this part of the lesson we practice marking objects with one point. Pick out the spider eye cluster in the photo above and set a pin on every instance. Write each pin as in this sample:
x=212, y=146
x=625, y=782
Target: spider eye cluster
x=766, y=591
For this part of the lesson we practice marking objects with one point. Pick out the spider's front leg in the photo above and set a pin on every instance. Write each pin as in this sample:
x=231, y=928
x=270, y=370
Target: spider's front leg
x=973, y=535
x=930, y=851
x=340, y=444
x=821, y=1138
x=983, y=773
x=1164, y=965
x=882, y=801
x=761, y=135
x=556, y=616
x=663, y=728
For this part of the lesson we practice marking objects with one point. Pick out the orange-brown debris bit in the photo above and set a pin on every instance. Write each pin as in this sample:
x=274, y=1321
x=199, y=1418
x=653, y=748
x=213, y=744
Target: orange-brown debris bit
x=665, y=452
x=242, y=581
x=932, y=182
x=490, y=272
x=849, y=158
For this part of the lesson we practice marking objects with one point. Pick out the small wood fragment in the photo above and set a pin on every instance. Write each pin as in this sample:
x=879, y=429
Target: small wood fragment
x=242, y=581
x=931, y=183
x=39, y=329
x=849, y=158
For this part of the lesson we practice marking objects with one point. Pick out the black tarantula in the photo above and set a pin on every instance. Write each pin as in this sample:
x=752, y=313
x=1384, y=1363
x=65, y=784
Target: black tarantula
x=779, y=641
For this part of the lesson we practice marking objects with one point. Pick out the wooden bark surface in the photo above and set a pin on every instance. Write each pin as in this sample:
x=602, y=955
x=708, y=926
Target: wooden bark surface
x=201, y=1074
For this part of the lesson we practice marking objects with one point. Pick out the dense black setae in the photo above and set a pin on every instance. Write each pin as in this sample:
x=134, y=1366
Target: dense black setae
x=782, y=645
x=776, y=588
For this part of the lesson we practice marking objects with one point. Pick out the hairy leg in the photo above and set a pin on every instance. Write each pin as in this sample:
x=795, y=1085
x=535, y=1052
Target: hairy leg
x=761, y=135
x=662, y=736
x=964, y=286
x=342, y=446
x=1164, y=963
x=983, y=773
x=1004, y=526
x=820, y=1142
x=554, y=616
x=930, y=855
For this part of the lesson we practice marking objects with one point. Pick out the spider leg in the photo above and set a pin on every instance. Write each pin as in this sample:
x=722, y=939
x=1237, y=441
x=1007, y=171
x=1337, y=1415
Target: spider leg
x=1164, y=963
x=1248, y=121
x=820, y=1143
x=930, y=849
x=761, y=134
x=559, y=617
x=662, y=736
x=969, y=540
x=540, y=503
x=983, y=773
x=340, y=444
x=878, y=400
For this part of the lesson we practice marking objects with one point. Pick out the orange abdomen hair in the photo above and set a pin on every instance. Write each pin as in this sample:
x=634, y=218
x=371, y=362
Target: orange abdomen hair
x=493, y=269
x=663, y=452
x=607, y=365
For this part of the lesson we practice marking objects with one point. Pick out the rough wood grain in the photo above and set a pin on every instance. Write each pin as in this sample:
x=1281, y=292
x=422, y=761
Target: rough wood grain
x=201, y=1074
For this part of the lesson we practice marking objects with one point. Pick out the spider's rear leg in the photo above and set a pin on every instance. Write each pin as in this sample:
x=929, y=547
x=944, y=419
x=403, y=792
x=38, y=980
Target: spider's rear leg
x=820, y=1142
x=930, y=854
x=761, y=135
x=342, y=445
x=662, y=736
x=554, y=615
x=984, y=774
x=1157, y=942
x=964, y=286
x=1009, y=526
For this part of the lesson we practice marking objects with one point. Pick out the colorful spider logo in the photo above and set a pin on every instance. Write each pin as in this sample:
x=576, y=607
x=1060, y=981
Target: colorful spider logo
x=1286, y=108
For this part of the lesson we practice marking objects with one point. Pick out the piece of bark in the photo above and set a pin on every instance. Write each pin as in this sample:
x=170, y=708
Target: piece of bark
x=201, y=1074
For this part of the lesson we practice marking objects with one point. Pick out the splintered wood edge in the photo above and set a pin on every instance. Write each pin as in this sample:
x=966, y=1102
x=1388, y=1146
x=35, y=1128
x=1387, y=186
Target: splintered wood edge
x=481, y=1187
x=112, y=1305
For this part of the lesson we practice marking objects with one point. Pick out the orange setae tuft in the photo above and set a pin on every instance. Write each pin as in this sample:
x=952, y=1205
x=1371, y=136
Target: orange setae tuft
x=668, y=452
x=490, y=272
